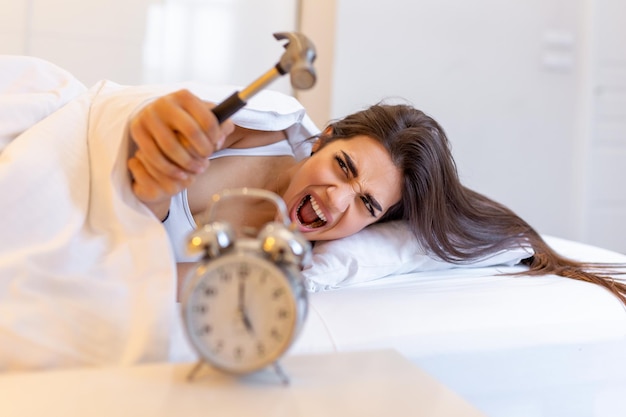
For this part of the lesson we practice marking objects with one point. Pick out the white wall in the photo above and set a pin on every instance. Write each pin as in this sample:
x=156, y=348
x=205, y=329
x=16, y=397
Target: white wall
x=13, y=26
x=90, y=38
x=501, y=77
x=521, y=90
x=605, y=216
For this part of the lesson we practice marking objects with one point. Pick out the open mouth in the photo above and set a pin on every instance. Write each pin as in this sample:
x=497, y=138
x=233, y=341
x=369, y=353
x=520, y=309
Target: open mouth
x=309, y=213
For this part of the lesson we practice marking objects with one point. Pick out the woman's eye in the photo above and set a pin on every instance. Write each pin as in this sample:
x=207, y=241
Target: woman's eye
x=368, y=205
x=342, y=164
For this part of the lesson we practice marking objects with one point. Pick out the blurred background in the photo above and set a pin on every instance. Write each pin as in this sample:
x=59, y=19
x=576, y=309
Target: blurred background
x=532, y=93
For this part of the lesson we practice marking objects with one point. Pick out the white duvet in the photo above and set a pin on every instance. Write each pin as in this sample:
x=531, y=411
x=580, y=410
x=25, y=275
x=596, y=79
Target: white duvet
x=77, y=248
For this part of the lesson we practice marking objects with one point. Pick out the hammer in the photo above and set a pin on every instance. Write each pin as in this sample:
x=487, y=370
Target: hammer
x=297, y=60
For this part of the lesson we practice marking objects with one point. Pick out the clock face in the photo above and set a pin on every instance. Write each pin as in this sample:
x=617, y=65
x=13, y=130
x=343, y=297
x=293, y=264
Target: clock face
x=240, y=313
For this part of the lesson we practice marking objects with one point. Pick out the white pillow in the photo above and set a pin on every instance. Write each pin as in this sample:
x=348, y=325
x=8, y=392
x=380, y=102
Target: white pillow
x=381, y=250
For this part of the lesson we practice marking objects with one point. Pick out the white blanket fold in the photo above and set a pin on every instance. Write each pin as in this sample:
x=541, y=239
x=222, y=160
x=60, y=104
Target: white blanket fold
x=87, y=275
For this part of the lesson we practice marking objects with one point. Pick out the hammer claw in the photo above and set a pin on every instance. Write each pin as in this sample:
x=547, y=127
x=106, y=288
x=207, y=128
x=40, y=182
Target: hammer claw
x=297, y=60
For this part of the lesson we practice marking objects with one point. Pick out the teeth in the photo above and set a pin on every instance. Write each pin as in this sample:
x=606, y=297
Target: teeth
x=319, y=221
x=319, y=212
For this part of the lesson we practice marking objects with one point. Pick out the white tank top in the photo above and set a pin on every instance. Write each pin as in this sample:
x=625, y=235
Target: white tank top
x=180, y=222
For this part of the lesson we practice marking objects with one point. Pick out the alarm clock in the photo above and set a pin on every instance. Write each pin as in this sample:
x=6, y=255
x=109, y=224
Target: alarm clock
x=245, y=303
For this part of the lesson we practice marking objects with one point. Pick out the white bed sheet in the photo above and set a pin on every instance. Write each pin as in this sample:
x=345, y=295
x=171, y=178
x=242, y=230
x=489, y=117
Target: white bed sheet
x=466, y=310
x=460, y=311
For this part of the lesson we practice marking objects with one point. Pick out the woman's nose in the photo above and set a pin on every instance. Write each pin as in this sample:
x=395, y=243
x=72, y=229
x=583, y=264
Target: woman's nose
x=339, y=197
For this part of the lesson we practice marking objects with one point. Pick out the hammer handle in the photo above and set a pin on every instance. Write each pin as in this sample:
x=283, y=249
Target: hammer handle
x=228, y=107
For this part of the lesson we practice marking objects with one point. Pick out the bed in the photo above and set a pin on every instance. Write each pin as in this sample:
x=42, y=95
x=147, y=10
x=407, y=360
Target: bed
x=87, y=273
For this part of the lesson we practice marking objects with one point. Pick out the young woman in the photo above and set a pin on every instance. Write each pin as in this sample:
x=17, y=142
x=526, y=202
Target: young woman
x=387, y=162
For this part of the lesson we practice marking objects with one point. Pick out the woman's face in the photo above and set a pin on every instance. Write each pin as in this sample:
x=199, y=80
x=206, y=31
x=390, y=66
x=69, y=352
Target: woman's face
x=345, y=186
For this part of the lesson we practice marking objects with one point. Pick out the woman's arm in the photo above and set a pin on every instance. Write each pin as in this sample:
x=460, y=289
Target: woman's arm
x=183, y=269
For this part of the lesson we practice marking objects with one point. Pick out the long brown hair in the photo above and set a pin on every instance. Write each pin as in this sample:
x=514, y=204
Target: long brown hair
x=455, y=223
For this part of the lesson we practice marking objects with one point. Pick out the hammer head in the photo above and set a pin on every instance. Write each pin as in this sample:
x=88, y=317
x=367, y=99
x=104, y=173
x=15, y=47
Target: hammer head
x=297, y=60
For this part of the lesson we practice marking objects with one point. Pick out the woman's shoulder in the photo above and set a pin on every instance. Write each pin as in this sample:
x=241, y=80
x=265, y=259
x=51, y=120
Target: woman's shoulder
x=251, y=142
x=280, y=148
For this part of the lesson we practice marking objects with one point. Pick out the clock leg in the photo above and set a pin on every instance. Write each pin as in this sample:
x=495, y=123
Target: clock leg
x=281, y=374
x=195, y=370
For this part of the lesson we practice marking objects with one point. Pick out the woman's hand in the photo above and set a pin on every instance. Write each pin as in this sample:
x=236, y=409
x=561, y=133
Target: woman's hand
x=174, y=135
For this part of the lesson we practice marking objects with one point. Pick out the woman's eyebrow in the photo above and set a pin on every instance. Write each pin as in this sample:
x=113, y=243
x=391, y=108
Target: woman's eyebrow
x=355, y=174
x=374, y=202
x=350, y=163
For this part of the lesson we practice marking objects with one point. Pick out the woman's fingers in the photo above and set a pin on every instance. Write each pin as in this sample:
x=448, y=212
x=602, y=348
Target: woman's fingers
x=158, y=134
x=178, y=132
x=167, y=184
x=144, y=186
x=201, y=129
x=216, y=131
x=149, y=185
x=174, y=135
x=155, y=158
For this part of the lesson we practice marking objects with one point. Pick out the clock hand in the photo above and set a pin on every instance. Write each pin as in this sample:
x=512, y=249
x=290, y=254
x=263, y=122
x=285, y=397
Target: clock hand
x=242, y=306
x=246, y=322
x=241, y=295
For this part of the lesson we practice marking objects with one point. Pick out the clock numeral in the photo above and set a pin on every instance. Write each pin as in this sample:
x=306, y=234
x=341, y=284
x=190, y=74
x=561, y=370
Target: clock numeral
x=263, y=278
x=210, y=291
x=225, y=276
x=200, y=309
x=219, y=345
x=278, y=292
x=275, y=333
x=238, y=352
x=204, y=330
x=283, y=314
x=244, y=270
x=260, y=349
